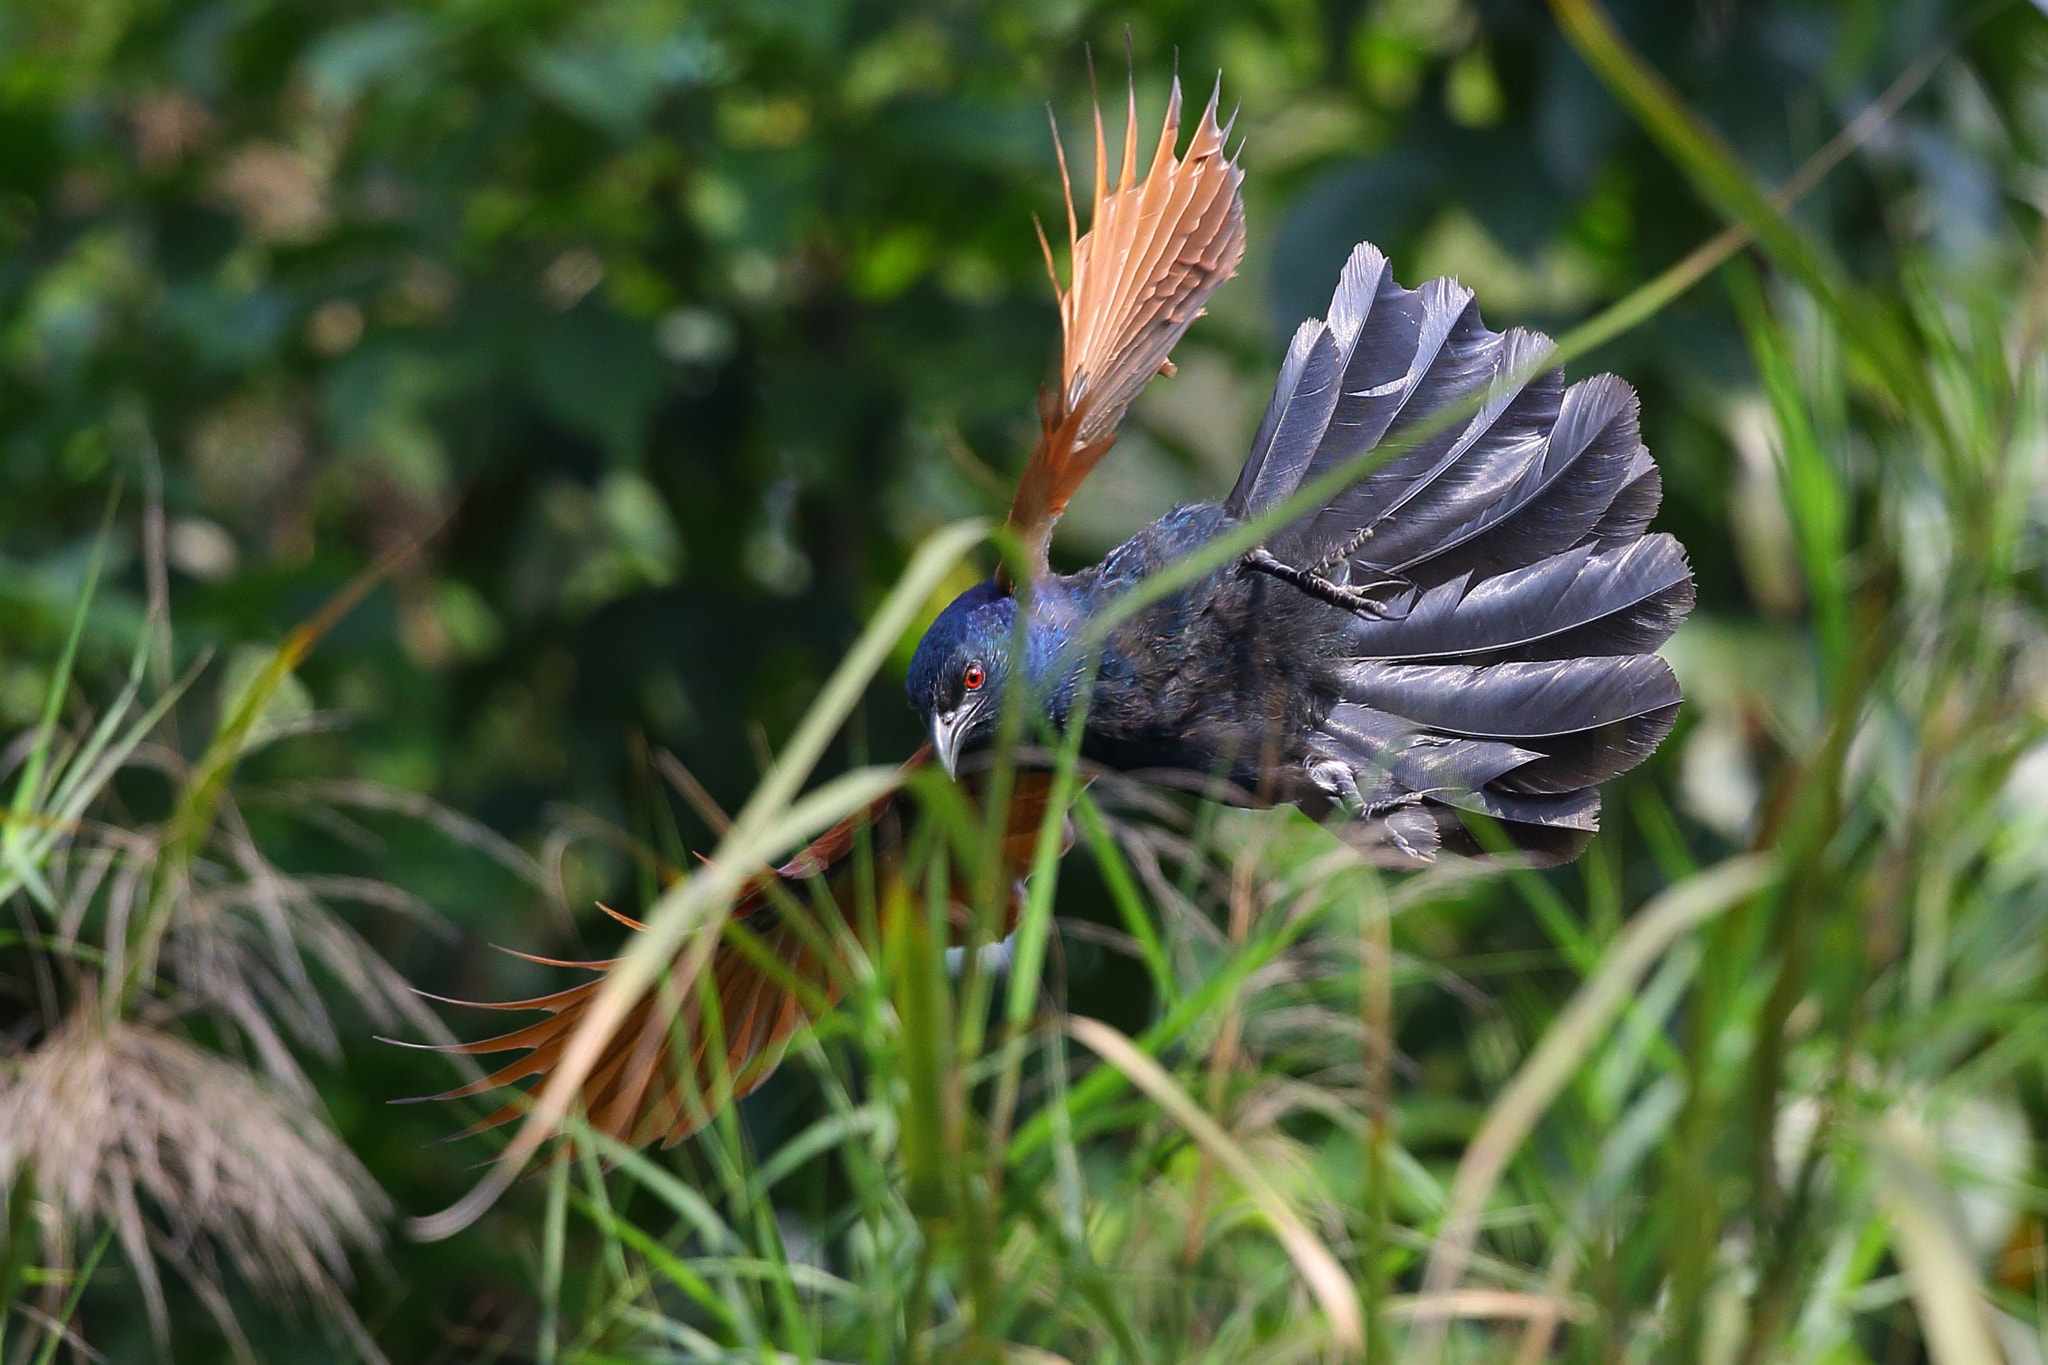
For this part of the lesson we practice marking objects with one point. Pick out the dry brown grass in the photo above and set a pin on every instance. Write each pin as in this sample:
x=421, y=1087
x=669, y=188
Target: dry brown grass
x=189, y=1157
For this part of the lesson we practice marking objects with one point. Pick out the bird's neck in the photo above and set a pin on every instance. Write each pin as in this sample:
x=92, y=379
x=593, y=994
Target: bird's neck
x=1057, y=612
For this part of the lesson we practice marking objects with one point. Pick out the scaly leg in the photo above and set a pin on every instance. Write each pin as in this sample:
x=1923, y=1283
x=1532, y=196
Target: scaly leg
x=1358, y=601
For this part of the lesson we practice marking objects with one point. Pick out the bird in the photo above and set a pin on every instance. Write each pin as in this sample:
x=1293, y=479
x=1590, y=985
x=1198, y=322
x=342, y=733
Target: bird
x=1432, y=624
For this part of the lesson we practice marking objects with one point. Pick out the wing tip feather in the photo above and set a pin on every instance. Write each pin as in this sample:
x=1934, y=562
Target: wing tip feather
x=1154, y=251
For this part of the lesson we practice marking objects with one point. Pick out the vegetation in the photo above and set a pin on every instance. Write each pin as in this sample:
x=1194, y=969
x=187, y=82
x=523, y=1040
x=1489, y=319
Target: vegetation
x=563, y=415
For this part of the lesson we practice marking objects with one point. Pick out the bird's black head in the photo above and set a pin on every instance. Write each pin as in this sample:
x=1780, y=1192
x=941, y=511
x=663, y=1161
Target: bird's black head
x=961, y=668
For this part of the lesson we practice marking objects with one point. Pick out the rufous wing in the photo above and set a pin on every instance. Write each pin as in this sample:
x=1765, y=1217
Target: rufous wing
x=1154, y=251
x=658, y=1077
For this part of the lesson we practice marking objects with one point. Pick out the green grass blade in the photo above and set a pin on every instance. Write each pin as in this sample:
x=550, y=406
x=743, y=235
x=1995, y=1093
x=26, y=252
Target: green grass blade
x=1326, y=1279
x=1948, y=1293
x=1714, y=170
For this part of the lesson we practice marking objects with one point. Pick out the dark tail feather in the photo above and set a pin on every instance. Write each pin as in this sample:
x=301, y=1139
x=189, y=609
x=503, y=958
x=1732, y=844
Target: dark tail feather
x=1473, y=470
x=1587, y=719
x=1323, y=367
x=1584, y=602
x=1499, y=660
x=1405, y=356
x=1519, y=702
x=1629, y=514
x=1415, y=784
x=1525, y=743
x=1532, y=470
x=1519, y=507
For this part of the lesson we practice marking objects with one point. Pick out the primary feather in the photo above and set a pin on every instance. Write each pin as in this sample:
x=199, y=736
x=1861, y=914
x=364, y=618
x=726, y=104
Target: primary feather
x=1154, y=251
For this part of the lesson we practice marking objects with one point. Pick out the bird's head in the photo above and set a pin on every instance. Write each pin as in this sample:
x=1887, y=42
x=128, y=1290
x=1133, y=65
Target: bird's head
x=961, y=668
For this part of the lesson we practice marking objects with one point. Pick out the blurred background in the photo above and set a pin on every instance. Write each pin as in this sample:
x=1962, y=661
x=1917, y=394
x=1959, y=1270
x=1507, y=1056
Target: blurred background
x=672, y=328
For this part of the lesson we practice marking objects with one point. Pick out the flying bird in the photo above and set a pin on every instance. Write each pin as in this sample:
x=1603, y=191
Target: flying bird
x=1451, y=612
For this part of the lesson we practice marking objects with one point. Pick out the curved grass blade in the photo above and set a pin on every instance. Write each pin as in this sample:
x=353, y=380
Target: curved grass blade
x=1326, y=1279
x=772, y=821
x=1557, y=1058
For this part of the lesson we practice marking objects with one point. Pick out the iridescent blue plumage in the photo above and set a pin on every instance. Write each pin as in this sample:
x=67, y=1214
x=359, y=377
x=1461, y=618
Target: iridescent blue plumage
x=976, y=624
x=973, y=656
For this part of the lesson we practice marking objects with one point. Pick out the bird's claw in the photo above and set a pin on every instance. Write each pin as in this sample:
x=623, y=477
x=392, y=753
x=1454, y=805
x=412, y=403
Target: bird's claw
x=1359, y=601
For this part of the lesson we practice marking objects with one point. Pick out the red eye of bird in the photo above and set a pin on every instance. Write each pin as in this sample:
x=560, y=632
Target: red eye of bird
x=972, y=678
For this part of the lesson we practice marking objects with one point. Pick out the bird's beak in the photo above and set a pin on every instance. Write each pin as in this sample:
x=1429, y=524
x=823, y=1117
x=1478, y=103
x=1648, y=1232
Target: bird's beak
x=949, y=731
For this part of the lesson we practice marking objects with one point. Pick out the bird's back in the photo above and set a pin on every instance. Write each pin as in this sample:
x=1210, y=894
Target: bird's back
x=1219, y=680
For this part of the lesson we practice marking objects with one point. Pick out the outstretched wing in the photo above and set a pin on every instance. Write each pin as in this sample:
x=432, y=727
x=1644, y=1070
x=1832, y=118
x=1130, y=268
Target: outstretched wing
x=1154, y=251
x=658, y=1076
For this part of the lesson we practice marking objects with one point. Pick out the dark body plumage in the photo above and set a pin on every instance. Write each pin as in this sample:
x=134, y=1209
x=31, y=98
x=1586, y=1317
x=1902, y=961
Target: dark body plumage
x=1210, y=680
x=1465, y=627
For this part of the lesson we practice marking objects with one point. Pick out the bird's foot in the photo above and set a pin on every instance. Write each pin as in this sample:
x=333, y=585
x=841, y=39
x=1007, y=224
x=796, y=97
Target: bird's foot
x=1339, y=782
x=1358, y=599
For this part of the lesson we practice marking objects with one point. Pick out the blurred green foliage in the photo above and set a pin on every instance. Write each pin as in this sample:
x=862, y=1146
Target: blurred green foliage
x=672, y=326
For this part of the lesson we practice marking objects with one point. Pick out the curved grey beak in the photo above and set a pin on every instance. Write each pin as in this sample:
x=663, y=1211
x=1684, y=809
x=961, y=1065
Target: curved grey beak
x=949, y=732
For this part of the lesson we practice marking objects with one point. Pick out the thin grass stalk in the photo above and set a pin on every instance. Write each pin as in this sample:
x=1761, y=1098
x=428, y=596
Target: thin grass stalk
x=1810, y=489
x=595, y=1203
x=1816, y=501
x=28, y=787
x=1034, y=928
x=59, y=1329
x=1948, y=1292
x=198, y=804
x=1223, y=1052
x=17, y=1249
x=991, y=897
x=1376, y=1020
x=1124, y=891
x=1701, y=154
x=554, y=1236
x=38, y=820
x=912, y=943
x=1091, y=1094
x=729, y=1150
x=1694, y=1215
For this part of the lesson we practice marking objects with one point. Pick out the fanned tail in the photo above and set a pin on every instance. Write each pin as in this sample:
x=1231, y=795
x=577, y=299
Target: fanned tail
x=1491, y=545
